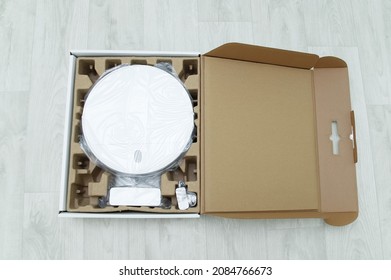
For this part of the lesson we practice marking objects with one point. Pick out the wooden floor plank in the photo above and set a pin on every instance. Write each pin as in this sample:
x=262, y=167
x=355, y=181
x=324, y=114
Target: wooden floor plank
x=380, y=130
x=279, y=24
x=297, y=243
x=16, y=43
x=45, y=236
x=13, y=125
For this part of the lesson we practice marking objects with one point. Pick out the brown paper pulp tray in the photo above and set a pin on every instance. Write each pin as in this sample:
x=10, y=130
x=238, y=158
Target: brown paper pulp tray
x=85, y=182
x=266, y=118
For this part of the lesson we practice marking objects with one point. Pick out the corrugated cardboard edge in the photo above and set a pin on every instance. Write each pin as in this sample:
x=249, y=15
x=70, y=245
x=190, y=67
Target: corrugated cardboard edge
x=115, y=53
x=202, y=138
x=355, y=150
x=334, y=218
x=67, y=134
x=252, y=53
x=127, y=215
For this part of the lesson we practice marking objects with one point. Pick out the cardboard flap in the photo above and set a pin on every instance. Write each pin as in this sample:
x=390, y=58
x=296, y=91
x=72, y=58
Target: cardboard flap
x=330, y=62
x=335, y=136
x=265, y=55
x=259, y=141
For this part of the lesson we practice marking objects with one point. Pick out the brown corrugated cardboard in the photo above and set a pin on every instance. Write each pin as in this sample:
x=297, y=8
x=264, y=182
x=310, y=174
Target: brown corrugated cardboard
x=266, y=125
x=337, y=172
x=251, y=53
x=263, y=147
x=258, y=135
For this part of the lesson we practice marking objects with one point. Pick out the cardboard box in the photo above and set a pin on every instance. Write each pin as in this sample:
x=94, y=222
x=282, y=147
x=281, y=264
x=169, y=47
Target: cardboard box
x=276, y=136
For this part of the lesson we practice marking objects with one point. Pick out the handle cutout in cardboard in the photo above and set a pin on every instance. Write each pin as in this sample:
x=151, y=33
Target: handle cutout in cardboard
x=334, y=137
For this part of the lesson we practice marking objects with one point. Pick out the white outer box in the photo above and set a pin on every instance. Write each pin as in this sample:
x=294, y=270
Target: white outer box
x=67, y=134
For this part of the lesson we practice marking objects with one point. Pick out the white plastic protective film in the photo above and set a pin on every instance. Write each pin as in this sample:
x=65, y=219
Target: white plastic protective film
x=137, y=120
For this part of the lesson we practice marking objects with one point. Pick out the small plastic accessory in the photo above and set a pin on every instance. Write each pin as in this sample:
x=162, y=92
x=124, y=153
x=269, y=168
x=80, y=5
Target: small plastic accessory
x=185, y=199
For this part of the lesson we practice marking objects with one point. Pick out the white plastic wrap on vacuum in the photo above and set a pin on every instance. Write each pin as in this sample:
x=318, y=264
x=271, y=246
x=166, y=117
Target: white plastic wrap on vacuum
x=137, y=120
x=137, y=123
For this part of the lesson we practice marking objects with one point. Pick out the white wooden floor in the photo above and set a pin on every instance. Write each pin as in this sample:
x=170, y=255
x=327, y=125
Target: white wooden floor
x=35, y=39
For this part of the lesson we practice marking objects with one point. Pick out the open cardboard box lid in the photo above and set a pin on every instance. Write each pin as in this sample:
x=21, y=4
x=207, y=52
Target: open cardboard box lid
x=266, y=124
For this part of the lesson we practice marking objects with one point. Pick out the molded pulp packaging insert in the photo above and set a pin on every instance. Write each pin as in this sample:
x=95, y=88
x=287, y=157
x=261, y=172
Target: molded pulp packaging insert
x=87, y=183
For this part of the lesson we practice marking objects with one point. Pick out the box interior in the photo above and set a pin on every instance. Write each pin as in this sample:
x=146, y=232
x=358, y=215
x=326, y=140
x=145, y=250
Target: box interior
x=87, y=182
x=259, y=145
